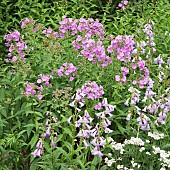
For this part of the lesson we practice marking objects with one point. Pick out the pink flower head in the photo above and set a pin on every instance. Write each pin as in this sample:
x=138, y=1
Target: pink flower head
x=39, y=96
x=117, y=77
x=14, y=58
x=67, y=69
x=141, y=64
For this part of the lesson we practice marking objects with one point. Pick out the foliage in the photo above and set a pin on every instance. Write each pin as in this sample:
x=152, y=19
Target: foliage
x=82, y=93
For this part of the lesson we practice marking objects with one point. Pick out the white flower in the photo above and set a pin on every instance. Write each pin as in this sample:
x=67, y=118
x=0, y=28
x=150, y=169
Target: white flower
x=147, y=141
x=156, y=135
x=141, y=149
x=134, y=141
x=109, y=162
x=119, y=166
x=118, y=146
x=110, y=139
x=148, y=153
x=107, y=130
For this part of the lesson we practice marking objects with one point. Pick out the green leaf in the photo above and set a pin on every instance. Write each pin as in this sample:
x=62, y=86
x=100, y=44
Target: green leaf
x=34, y=140
x=68, y=131
x=33, y=165
x=166, y=147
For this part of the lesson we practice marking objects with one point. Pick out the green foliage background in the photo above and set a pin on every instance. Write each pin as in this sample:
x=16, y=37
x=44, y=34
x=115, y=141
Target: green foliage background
x=15, y=108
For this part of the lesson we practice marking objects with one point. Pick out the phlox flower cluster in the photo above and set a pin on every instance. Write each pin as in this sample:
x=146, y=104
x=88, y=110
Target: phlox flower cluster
x=49, y=32
x=123, y=4
x=67, y=69
x=89, y=27
x=145, y=77
x=50, y=133
x=38, y=27
x=92, y=50
x=125, y=71
x=16, y=45
x=122, y=47
x=33, y=89
x=144, y=72
x=135, y=66
x=37, y=89
x=27, y=21
x=89, y=90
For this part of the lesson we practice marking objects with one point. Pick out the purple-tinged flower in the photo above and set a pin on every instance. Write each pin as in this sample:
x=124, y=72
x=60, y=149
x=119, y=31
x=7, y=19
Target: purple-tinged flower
x=47, y=122
x=39, y=144
x=37, y=153
x=39, y=97
x=117, y=77
x=128, y=116
x=96, y=152
x=107, y=130
x=85, y=143
x=48, y=131
x=53, y=143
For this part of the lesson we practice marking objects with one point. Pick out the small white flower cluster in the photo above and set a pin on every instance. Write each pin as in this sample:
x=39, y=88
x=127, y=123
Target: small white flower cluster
x=118, y=146
x=134, y=141
x=163, y=157
x=134, y=164
x=156, y=136
x=123, y=167
x=109, y=162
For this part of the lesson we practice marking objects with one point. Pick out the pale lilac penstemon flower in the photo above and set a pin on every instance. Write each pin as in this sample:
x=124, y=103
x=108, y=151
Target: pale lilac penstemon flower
x=49, y=133
x=39, y=148
x=91, y=134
